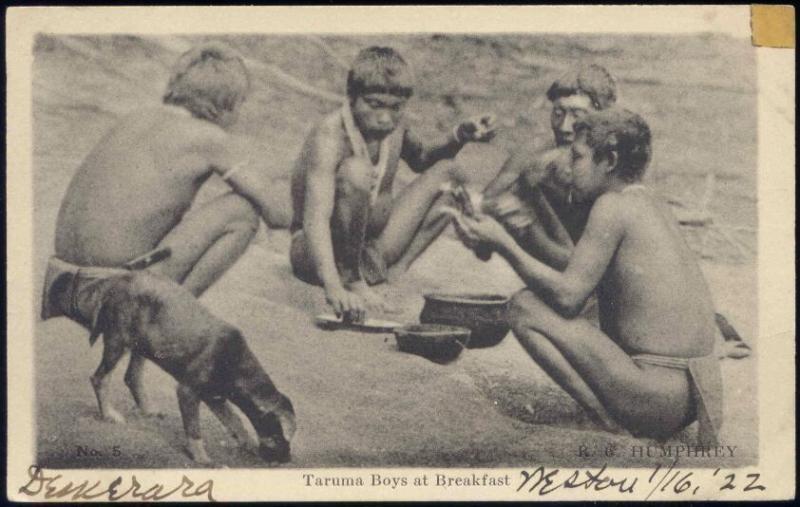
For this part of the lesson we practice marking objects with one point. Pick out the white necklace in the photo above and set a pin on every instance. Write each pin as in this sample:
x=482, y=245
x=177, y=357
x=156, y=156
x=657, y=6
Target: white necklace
x=360, y=149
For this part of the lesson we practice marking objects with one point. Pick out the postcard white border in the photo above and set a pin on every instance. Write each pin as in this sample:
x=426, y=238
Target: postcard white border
x=775, y=193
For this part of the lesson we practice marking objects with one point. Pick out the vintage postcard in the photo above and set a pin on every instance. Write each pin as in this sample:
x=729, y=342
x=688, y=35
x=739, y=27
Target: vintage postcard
x=400, y=253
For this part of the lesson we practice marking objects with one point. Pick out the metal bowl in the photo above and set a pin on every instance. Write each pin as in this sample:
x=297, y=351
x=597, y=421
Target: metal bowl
x=483, y=314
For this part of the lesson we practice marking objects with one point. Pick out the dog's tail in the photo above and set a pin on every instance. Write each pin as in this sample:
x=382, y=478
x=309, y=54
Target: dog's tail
x=93, y=336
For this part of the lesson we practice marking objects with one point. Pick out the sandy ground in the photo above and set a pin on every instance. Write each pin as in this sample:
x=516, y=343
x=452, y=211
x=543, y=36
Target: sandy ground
x=359, y=401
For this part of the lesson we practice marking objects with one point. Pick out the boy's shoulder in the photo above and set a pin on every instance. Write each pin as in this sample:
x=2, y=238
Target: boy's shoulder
x=186, y=133
x=609, y=200
x=329, y=127
x=611, y=207
x=330, y=124
x=181, y=125
x=625, y=208
x=328, y=134
x=540, y=155
x=200, y=133
x=554, y=156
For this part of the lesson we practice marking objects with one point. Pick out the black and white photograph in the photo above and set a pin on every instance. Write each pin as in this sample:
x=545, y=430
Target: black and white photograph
x=442, y=250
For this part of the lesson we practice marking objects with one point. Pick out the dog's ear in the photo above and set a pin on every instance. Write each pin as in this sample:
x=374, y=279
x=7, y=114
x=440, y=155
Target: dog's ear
x=285, y=414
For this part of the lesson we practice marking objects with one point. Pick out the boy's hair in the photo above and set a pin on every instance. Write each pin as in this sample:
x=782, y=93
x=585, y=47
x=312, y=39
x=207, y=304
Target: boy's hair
x=208, y=80
x=622, y=131
x=593, y=81
x=379, y=70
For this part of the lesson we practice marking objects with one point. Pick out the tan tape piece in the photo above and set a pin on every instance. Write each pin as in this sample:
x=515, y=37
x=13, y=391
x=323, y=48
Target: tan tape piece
x=773, y=26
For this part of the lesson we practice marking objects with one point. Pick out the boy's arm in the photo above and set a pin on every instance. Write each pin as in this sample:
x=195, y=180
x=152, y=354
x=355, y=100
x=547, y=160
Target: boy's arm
x=551, y=235
x=515, y=192
x=567, y=291
x=224, y=151
x=509, y=173
x=521, y=167
x=237, y=160
x=320, y=186
x=322, y=158
x=550, y=220
x=551, y=252
x=522, y=216
x=421, y=155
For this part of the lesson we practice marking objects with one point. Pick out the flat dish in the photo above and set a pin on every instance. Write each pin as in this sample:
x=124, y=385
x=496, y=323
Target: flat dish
x=330, y=321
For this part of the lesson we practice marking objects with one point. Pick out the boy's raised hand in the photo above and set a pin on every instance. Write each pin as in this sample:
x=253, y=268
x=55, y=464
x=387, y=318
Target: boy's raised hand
x=510, y=208
x=469, y=240
x=478, y=129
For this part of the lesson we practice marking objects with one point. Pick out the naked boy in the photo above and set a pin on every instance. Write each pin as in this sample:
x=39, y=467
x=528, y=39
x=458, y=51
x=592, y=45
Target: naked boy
x=348, y=230
x=130, y=196
x=650, y=366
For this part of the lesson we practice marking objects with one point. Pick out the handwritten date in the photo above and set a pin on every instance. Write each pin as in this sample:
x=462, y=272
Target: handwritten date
x=542, y=482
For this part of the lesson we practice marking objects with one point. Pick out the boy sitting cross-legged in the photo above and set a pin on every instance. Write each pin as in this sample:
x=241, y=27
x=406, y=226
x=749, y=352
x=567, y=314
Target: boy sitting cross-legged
x=650, y=367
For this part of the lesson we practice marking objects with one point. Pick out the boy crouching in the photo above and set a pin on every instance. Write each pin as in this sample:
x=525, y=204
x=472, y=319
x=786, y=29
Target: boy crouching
x=650, y=367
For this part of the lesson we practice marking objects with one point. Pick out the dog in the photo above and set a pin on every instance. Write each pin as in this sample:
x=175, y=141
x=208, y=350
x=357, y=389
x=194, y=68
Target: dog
x=157, y=319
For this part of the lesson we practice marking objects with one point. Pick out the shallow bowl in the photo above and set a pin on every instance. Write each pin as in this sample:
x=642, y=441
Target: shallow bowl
x=438, y=342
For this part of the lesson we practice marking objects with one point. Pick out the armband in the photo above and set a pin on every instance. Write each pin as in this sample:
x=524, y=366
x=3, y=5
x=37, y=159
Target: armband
x=455, y=134
x=230, y=172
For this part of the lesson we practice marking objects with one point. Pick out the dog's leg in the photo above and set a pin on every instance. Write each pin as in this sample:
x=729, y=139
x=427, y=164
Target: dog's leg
x=232, y=422
x=134, y=381
x=112, y=353
x=189, y=404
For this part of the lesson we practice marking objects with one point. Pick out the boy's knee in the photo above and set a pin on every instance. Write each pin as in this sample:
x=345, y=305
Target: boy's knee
x=449, y=171
x=519, y=310
x=527, y=312
x=244, y=217
x=354, y=176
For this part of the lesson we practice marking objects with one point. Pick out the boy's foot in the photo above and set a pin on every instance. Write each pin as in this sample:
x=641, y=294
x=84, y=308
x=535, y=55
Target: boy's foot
x=112, y=416
x=734, y=345
x=150, y=413
x=197, y=451
x=735, y=350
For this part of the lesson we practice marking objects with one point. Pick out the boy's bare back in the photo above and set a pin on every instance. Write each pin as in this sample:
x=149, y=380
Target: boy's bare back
x=134, y=186
x=653, y=297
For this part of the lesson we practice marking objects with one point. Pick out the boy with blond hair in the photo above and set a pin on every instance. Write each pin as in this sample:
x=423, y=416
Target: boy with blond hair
x=348, y=230
x=650, y=367
x=126, y=206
